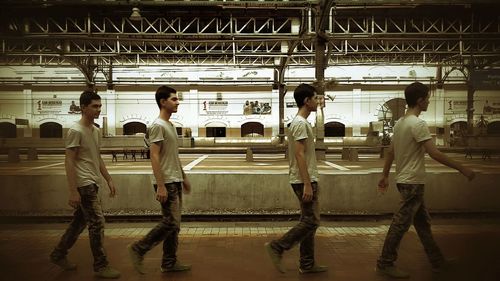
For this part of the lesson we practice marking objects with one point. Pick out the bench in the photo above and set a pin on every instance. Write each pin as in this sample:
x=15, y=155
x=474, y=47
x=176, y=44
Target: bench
x=265, y=150
x=485, y=152
x=126, y=151
x=13, y=147
x=486, y=146
x=351, y=153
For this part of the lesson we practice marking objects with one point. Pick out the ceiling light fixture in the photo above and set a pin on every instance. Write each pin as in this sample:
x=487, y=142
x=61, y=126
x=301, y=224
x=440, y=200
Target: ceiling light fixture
x=136, y=15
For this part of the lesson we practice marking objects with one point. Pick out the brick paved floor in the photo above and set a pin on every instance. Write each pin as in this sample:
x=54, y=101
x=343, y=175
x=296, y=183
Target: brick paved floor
x=234, y=251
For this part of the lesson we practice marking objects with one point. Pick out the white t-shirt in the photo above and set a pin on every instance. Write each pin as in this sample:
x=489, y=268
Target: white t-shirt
x=409, y=152
x=164, y=133
x=88, y=141
x=300, y=129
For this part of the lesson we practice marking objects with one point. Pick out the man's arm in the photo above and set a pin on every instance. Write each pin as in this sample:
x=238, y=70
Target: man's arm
x=437, y=155
x=107, y=177
x=69, y=165
x=186, y=184
x=389, y=158
x=300, y=146
x=161, y=191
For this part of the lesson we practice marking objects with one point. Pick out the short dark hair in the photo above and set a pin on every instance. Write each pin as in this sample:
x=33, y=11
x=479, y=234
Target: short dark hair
x=414, y=91
x=163, y=92
x=87, y=97
x=301, y=92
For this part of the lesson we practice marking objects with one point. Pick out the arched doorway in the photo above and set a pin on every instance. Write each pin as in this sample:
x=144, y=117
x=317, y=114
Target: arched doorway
x=334, y=129
x=494, y=128
x=133, y=128
x=178, y=128
x=7, y=130
x=51, y=130
x=252, y=129
x=458, y=129
x=216, y=129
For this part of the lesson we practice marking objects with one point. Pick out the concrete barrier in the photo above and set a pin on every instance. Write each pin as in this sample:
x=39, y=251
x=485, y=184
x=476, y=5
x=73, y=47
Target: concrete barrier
x=254, y=193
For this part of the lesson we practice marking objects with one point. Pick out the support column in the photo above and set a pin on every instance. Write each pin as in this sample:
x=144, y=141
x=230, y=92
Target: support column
x=275, y=111
x=322, y=24
x=28, y=111
x=441, y=138
x=194, y=107
x=320, y=90
x=356, y=112
x=470, y=106
x=279, y=87
x=110, y=112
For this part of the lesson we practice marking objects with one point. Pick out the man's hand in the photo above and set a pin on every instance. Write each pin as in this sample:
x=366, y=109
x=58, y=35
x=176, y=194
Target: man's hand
x=383, y=184
x=74, y=199
x=468, y=172
x=161, y=194
x=307, y=194
x=186, y=186
x=112, y=189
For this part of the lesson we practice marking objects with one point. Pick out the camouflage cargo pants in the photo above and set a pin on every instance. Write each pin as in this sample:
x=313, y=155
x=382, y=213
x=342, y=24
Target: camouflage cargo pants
x=89, y=212
x=412, y=211
x=167, y=231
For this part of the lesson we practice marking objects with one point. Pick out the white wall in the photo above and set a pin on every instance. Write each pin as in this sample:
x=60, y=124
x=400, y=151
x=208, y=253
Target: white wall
x=354, y=108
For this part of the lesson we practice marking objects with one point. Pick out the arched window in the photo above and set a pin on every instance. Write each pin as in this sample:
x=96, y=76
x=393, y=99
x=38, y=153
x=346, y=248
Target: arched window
x=7, y=130
x=494, y=128
x=252, y=129
x=397, y=107
x=334, y=129
x=51, y=130
x=133, y=128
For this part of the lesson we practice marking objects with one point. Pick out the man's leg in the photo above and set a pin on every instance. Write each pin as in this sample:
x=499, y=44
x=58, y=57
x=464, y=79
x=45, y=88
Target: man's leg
x=173, y=210
x=171, y=242
x=310, y=213
x=77, y=225
x=163, y=229
x=411, y=201
x=92, y=211
x=306, y=227
x=422, y=223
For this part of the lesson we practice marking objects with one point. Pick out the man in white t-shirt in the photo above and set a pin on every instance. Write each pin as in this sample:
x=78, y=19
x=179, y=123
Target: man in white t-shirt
x=169, y=181
x=410, y=141
x=84, y=167
x=303, y=176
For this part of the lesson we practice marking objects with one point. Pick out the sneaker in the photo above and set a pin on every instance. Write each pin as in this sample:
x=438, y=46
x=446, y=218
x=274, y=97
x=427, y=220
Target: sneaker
x=136, y=259
x=446, y=265
x=178, y=267
x=275, y=257
x=64, y=264
x=393, y=272
x=314, y=269
x=107, y=273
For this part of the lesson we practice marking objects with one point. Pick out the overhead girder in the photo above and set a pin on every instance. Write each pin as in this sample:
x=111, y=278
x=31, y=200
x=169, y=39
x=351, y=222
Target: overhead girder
x=185, y=26
x=355, y=34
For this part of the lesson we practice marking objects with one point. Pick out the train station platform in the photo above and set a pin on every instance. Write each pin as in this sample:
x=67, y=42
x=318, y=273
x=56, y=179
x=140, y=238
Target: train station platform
x=228, y=251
